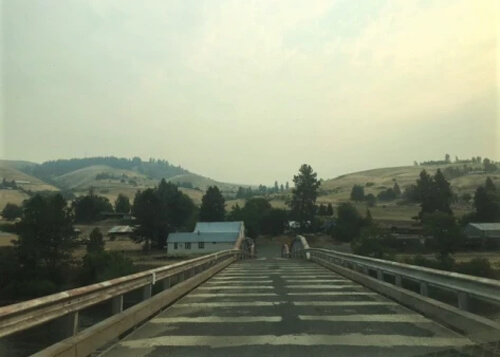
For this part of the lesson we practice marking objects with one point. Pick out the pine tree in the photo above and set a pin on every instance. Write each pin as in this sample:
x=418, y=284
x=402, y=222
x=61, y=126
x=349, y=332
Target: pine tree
x=304, y=196
x=212, y=206
x=487, y=203
x=443, y=193
x=397, y=189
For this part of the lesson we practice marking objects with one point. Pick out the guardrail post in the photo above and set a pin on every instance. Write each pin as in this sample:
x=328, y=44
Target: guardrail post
x=463, y=301
x=380, y=274
x=165, y=284
x=365, y=270
x=117, y=304
x=399, y=281
x=146, y=291
x=424, y=288
x=68, y=325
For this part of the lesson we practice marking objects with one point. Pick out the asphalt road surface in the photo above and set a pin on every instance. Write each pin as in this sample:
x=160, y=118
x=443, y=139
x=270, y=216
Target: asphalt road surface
x=280, y=307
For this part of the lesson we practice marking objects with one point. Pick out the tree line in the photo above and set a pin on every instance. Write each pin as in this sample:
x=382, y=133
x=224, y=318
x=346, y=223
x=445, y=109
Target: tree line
x=245, y=193
x=153, y=168
x=436, y=218
x=8, y=184
x=489, y=166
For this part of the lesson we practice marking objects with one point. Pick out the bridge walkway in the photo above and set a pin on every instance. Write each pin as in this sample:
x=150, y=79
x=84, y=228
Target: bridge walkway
x=282, y=307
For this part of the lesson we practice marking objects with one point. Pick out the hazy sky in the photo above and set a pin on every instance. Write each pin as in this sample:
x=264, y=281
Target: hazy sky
x=246, y=91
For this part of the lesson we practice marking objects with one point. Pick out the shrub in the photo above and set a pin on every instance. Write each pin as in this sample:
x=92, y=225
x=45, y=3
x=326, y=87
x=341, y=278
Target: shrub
x=101, y=266
x=12, y=211
x=23, y=289
x=477, y=267
x=387, y=195
x=370, y=200
x=357, y=193
x=349, y=223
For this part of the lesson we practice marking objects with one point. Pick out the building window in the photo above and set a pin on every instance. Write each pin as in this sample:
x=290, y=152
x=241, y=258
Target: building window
x=201, y=245
x=187, y=246
x=175, y=245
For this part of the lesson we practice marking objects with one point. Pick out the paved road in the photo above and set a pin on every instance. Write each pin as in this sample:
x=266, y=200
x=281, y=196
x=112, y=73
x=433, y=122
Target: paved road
x=277, y=307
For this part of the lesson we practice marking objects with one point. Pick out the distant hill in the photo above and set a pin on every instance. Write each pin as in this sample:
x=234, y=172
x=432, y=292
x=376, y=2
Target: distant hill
x=338, y=189
x=110, y=176
x=9, y=171
x=17, y=164
x=156, y=169
x=202, y=182
x=102, y=177
x=379, y=179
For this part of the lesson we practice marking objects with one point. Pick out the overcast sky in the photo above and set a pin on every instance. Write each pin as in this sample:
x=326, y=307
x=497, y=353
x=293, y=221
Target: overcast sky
x=246, y=91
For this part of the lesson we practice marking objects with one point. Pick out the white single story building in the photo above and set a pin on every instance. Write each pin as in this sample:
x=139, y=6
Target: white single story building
x=208, y=237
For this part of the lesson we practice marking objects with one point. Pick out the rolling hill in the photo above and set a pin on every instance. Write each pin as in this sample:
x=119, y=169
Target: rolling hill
x=9, y=170
x=124, y=176
x=339, y=188
x=87, y=177
x=108, y=176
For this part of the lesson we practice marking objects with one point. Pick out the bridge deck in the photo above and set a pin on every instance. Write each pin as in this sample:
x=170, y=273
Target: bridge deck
x=286, y=308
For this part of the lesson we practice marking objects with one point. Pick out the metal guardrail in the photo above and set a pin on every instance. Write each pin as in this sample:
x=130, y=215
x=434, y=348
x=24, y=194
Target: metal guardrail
x=465, y=286
x=66, y=305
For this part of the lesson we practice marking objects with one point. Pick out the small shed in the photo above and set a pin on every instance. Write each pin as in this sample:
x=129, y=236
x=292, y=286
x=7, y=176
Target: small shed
x=208, y=237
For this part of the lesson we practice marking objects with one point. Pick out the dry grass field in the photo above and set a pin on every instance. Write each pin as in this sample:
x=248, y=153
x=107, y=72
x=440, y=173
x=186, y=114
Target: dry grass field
x=10, y=173
x=339, y=188
x=11, y=196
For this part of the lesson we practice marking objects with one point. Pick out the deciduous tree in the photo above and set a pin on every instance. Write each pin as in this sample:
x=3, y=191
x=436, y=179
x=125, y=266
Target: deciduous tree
x=11, y=211
x=46, y=236
x=96, y=241
x=444, y=230
x=122, y=204
x=89, y=208
x=349, y=223
x=160, y=211
x=487, y=203
x=357, y=193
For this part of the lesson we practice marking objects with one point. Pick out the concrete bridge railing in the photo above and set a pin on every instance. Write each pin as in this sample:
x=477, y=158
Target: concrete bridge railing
x=65, y=306
x=396, y=280
x=298, y=244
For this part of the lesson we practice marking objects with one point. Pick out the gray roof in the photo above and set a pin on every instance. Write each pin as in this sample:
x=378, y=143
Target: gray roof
x=218, y=237
x=486, y=226
x=120, y=229
x=218, y=227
